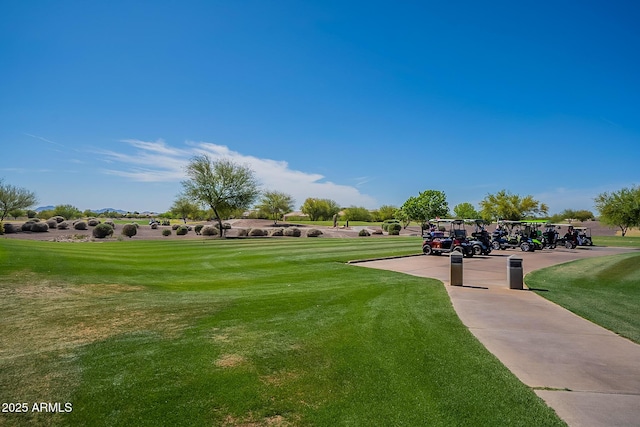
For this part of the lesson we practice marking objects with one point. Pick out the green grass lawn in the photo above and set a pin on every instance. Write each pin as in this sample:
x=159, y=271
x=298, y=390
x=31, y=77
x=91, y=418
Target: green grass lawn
x=603, y=290
x=625, y=242
x=242, y=332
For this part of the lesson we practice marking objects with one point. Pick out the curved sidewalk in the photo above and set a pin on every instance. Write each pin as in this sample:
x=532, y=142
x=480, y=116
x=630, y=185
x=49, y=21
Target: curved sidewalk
x=587, y=374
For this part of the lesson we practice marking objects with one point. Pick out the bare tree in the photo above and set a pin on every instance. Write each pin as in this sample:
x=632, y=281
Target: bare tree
x=12, y=198
x=221, y=184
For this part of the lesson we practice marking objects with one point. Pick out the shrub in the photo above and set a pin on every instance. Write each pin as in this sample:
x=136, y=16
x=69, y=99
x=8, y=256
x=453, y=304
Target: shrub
x=102, y=230
x=1, y=228
x=292, y=232
x=390, y=222
x=377, y=231
x=11, y=228
x=198, y=228
x=226, y=226
x=364, y=233
x=52, y=223
x=80, y=225
x=166, y=222
x=93, y=222
x=111, y=223
x=209, y=230
x=154, y=226
x=58, y=218
x=394, y=228
x=39, y=227
x=174, y=227
x=166, y=232
x=27, y=226
x=63, y=225
x=277, y=232
x=182, y=230
x=257, y=232
x=242, y=232
x=129, y=230
x=314, y=232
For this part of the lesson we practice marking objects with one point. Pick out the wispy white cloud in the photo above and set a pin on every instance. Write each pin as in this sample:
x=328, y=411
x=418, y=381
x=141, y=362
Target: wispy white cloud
x=159, y=162
x=43, y=139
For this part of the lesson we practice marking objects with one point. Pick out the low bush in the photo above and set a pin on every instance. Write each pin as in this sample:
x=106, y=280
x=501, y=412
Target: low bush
x=376, y=231
x=80, y=225
x=154, y=226
x=166, y=222
x=39, y=227
x=174, y=227
x=182, y=230
x=129, y=230
x=58, y=218
x=257, y=232
x=93, y=222
x=292, y=232
x=102, y=230
x=166, y=232
x=390, y=222
x=277, y=232
x=226, y=226
x=314, y=232
x=63, y=225
x=111, y=223
x=52, y=223
x=243, y=232
x=364, y=233
x=11, y=228
x=27, y=226
x=394, y=228
x=198, y=228
x=209, y=230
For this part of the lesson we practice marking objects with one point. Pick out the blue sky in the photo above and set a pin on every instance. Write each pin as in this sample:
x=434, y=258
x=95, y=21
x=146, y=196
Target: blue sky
x=367, y=103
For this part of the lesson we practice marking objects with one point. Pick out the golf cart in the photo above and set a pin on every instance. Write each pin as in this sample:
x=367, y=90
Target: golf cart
x=436, y=242
x=532, y=230
x=584, y=236
x=511, y=234
x=569, y=235
x=480, y=238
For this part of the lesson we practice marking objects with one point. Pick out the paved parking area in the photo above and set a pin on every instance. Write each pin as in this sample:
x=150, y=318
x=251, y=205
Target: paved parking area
x=589, y=375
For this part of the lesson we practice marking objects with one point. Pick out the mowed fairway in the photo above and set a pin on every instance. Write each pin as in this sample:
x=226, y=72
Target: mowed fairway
x=603, y=290
x=242, y=332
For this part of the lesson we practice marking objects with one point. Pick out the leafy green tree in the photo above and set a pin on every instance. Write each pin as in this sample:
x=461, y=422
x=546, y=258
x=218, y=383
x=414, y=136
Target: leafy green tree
x=402, y=216
x=508, y=206
x=46, y=214
x=275, y=204
x=12, y=197
x=183, y=208
x=385, y=212
x=428, y=205
x=320, y=209
x=620, y=208
x=222, y=184
x=67, y=211
x=571, y=215
x=465, y=211
x=356, y=213
x=15, y=213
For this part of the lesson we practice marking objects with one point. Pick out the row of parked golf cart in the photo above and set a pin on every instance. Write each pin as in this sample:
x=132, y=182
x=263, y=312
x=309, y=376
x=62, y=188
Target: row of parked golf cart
x=448, y=235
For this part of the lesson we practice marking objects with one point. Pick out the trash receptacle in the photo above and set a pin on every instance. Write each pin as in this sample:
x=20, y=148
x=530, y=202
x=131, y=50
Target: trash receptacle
x=514, y=272
x=455, y=264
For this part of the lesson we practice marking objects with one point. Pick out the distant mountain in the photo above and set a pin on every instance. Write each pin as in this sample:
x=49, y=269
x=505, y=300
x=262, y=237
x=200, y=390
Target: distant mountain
x=99, y=211
x=120, y=211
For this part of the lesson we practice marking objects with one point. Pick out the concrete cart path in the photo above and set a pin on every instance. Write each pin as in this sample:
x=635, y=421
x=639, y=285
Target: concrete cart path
x=587, y=374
